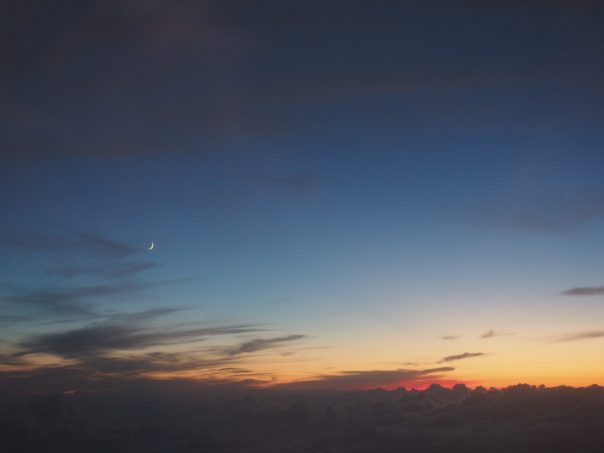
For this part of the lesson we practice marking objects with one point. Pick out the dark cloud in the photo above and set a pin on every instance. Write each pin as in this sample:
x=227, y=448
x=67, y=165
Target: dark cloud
x=585, y=291
x=138, y=415
x=260, y=344
x=120, y=346
x=10, y=359
x=141, y=364
x=585, y=335
x=369, y=379
x=105, y=338
x=465, y=355
x=449, y=337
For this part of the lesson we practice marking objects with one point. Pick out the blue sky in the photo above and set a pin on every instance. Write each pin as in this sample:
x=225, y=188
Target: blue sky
x=332, y=172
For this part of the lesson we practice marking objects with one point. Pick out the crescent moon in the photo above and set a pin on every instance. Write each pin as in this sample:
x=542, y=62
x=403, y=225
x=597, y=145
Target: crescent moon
x=152, y=246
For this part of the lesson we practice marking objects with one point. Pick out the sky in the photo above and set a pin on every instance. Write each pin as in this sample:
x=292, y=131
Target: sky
x=339, y=194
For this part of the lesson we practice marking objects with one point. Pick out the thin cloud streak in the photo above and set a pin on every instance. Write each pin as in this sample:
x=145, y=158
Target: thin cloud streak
x=260, y=344
x=68, y=301
x=577, y=336
x=465, y=355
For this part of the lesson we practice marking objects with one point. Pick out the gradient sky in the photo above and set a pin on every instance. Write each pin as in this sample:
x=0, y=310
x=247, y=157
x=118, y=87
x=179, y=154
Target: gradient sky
x=339, y=193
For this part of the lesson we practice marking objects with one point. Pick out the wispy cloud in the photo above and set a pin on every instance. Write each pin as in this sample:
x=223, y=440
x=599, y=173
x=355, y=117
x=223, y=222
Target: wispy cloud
x=490, y=333
x=87, y=268
x=576, y=336
x=465, y=355
x=67, y=301
x=112, y=343
x=449, y=337
x=108, y=338
x=585, y=291
x=260, y=344
x=369, y=379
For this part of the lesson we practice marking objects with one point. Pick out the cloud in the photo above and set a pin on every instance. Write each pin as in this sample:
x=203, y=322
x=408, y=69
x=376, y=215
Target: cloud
x=67, y=301
x=585, y=291
x=10, y=359
x=106, y=265
x=105, y=338
x=465, y=355
x=260, y=344
x=117, y=344
x=491, y=334
x=449, y=337
x=143, y=364
x=585, y=335
x=138, y=415
x=369, y=379
x=124, y=344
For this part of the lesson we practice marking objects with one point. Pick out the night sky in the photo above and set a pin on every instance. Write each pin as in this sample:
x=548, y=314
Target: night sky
x=340, y=194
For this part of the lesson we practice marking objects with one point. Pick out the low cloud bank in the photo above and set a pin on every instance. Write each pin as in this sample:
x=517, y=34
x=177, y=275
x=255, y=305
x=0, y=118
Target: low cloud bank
x=184, y=417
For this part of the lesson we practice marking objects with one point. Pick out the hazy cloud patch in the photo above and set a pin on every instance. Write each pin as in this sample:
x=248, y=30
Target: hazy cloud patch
x=585, y=291
x=490, y=333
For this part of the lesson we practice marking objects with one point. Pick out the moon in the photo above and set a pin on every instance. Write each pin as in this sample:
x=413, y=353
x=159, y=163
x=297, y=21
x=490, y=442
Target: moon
x=152, y=246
